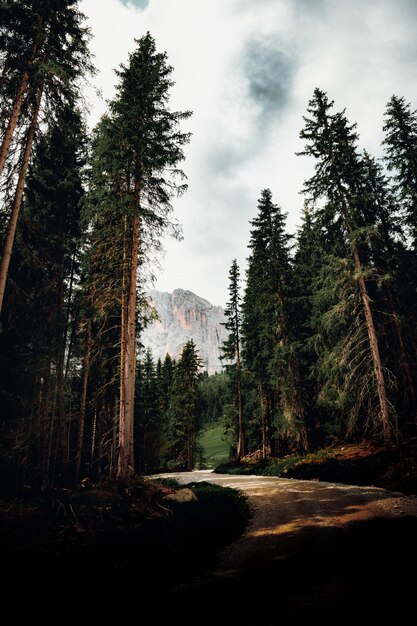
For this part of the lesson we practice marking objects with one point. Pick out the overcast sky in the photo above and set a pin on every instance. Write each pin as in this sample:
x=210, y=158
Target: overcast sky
x=247, y=69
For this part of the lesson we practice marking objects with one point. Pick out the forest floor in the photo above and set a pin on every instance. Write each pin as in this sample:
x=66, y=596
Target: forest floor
x=100, y=536
x=365, y=463
x=313, y=553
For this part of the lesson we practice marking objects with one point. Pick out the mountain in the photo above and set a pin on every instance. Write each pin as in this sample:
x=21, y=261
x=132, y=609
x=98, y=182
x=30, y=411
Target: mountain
x=182, y=316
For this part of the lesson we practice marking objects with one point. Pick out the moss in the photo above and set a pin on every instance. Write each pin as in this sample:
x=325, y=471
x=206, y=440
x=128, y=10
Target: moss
x=366, y=463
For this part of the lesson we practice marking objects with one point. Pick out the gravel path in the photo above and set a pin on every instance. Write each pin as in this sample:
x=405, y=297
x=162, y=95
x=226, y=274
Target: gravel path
x=314, y=552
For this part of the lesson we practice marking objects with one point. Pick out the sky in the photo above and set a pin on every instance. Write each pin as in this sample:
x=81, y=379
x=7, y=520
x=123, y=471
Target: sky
x=247, y=69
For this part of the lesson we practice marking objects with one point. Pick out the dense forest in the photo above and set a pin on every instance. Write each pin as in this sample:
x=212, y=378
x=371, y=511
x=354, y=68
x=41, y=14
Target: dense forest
x=322, y=342
x=326, y=324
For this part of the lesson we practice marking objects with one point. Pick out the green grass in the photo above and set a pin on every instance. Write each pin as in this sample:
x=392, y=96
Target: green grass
x=290, y=466
x=215, y=446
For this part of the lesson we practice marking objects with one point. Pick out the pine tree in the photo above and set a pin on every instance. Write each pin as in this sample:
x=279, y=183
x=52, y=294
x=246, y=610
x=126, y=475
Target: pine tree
x=138, y=149
x=338, y=176
x=184, y=409
x=308, y=261
x=400, y=141
x=165, y=384
x=231, y=351
x=268, y=347
x=147, y=415
x=41, y=310
x=46, y=53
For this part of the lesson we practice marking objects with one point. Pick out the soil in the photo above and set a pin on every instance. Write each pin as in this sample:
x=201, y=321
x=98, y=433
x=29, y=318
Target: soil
x=314, y=552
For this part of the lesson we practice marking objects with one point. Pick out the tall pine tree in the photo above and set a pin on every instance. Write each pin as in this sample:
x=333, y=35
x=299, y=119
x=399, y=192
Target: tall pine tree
x=231, y=349
x=139, y=149
x=331, y=140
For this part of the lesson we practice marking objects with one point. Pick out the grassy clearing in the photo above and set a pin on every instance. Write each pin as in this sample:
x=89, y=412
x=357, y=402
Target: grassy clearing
x=215, y=446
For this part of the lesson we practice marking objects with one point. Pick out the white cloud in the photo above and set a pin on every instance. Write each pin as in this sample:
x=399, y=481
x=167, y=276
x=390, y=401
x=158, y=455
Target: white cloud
x=247, y=69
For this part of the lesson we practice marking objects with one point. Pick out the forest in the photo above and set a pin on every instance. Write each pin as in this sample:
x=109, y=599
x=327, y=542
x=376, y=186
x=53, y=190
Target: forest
x=322, y=335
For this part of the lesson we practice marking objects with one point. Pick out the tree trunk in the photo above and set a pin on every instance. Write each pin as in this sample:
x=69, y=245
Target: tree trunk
x=190, y=449
x=389, y=431
x=17, y=107
x=63, y=427
x=93, y=437
x=17, y=202
x=60, y=373
x=67, y=318
x=263, y=420
x=241, y=434
x=83, y=405
x=404, y=362
x=126, y=466
x=48, y=419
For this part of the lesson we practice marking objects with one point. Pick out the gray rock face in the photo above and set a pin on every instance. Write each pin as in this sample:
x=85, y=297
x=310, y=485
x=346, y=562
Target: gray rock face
x=184, y=316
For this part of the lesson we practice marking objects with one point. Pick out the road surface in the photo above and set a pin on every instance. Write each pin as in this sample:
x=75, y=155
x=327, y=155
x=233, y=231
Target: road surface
x=313, y=552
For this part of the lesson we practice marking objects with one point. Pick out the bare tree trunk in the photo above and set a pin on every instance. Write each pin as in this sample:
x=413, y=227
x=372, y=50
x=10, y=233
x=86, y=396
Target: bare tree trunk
x=60, y=375
x=123, y=330
x=17, y=202
x=63, y=426
x=49, y=415
x=389, y=431
x=190, y=448
x=241, y=433
x=126, y=465
x=263, y=419
x=404, y=361
x=67, y=318
x=83, y=405
x=17, y=107
x=93, y=437
x=113, y=452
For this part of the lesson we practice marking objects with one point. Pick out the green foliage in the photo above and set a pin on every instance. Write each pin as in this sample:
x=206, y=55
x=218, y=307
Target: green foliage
x=42, y=308
x=401, y=157
x=269, y=348
x=184, y=409
x=311, y=315
x=214, y=396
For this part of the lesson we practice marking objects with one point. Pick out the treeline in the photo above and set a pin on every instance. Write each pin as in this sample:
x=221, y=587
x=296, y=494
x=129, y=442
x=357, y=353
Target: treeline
x=323, y=345
x=82, y=217
x=323, y=341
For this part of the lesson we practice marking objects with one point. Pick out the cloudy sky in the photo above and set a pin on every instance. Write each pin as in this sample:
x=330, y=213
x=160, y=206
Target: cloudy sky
x=247, y=69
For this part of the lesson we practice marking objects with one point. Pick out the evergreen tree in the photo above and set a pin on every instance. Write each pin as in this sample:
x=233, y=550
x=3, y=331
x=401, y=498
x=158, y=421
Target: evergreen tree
x=400, y=141
x=50, y=57
x=338, y=179
x=184, y=409
x=165, y=377
x=148, y=418
x=138, y=151
x=231, y=351
x=268, y=347
x=309, y=259
x=40, y=315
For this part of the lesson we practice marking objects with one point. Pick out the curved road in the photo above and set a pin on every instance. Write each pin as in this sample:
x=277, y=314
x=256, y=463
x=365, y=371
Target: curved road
x=313, y=552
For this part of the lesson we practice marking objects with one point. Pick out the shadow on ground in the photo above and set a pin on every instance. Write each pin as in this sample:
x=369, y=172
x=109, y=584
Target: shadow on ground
x=360, y=574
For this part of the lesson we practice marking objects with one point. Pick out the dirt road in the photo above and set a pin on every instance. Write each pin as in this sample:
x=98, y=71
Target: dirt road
x=314, y=553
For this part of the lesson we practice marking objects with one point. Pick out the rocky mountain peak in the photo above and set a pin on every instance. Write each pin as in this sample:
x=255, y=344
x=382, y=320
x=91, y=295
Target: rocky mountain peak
x=183, y=316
